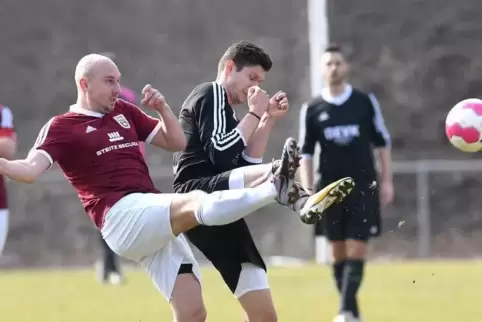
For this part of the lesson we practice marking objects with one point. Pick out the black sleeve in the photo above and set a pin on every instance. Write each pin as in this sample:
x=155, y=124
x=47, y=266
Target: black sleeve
x=307, y=140
x=380, y=136
x=222, y=144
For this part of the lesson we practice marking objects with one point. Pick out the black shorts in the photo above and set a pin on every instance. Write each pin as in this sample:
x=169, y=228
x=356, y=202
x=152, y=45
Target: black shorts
x=227, y=246
x=356, y=217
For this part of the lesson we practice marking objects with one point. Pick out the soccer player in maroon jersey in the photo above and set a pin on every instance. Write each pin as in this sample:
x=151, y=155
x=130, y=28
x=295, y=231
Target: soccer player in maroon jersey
x=109, y=267
x=8, y=146
x=96, y=146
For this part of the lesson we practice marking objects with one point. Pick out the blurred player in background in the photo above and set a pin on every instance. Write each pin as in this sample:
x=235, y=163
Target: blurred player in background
x=226, y=153
x=8, y=147
x=109, y=269
x=348, y=124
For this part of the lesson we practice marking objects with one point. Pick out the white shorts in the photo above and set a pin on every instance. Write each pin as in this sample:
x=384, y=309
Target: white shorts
x=138, y=227
x=3, y=228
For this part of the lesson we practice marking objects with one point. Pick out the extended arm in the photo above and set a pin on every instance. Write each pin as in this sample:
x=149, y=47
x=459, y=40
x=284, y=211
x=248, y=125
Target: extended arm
x=27, y=170
x=385, y=157
x=170, y=135
x=166, y=132
x=382, y=142
x=254, y=151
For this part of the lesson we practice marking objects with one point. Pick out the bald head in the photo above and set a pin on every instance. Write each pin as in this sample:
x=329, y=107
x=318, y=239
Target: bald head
x=98, y=83
x=89, y=65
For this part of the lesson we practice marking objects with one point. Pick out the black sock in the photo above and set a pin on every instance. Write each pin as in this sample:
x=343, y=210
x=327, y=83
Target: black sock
x=338, y=274
x=109, y=261
x=352, y=278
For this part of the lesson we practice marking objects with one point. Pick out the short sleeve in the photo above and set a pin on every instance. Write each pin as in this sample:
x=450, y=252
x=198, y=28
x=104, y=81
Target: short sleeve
x=6, y=123
x=50, y=141
x=146, y=126
x=380, y=136
x=307, y=140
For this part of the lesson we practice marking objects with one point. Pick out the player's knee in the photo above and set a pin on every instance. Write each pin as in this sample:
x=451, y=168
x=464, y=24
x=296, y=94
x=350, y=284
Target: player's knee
x=183, y=211
x=186, y=302
x=356, y=249
x=192, y=313
x=338, y=251
x=197, y=195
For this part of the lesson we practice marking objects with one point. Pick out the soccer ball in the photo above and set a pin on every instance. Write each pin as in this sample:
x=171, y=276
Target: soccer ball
x=463, y=125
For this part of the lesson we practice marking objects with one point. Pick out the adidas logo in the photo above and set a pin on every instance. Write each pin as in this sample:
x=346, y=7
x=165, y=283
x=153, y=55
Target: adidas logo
x=90, y=129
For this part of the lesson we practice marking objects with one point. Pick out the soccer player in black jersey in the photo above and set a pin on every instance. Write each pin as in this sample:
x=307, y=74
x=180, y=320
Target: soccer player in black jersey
x=348, y=125
x=226, y=153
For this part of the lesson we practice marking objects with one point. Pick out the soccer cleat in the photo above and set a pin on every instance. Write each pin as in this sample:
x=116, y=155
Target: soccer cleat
x=317, y=203
x=108, y=277
x=116, y=278
x=284, y=172
x=346, y=317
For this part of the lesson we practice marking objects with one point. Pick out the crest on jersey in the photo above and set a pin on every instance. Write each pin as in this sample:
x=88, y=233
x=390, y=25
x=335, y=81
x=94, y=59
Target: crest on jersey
x=323, y=116
x=121, y=119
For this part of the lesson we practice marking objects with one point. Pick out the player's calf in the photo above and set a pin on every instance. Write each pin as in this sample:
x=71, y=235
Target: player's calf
x=186, y=302
x=258, y=306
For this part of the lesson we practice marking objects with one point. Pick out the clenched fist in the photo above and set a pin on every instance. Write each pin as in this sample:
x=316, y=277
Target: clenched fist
x=258, y=100
x=278, y=105
x=151, y=97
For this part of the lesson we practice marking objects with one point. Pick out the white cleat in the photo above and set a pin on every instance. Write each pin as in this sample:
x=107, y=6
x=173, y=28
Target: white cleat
x=346, y=317
x=115, y=279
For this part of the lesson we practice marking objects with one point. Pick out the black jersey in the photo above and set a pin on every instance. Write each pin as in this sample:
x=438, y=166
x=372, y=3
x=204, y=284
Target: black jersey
x=214, y=144
x=347, y=127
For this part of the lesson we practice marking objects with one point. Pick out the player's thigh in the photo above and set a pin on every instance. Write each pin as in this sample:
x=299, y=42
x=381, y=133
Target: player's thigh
x=254, y=294
x=3, y=228
x=363, y=219
x=222, y=181
x=166, y=265
x=139, y=224
x=331, y=224
x=189, y=197
x=227, y=247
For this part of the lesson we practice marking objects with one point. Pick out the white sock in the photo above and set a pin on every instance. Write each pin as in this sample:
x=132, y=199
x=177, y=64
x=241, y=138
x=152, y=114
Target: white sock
x=3, y=229
x=227, y=206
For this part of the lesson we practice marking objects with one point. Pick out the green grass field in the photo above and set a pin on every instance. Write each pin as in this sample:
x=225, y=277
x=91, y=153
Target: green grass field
x=408, y=292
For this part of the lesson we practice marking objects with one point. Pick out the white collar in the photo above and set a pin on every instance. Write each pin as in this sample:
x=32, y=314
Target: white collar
x=80, y=110
x=339, y=99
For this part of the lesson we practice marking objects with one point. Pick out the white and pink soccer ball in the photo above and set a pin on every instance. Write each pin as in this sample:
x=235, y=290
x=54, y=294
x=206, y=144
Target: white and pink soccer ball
x=463, y=125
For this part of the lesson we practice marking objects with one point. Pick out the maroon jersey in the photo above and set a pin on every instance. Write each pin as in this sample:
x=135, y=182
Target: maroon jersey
x=99, y=153
x=6, y=131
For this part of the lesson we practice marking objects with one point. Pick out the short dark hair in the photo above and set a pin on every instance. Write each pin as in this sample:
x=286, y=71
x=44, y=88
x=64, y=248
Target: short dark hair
x=244, y=53
x=334, y=48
